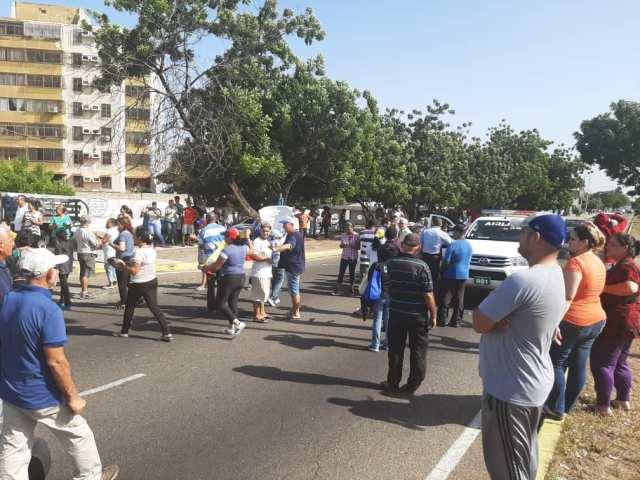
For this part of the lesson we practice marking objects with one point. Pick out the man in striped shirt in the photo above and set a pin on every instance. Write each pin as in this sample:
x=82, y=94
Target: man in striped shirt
x=412, y=313
x=367, y=253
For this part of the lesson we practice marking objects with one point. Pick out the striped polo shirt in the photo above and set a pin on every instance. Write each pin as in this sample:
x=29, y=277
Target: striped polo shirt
x=366, y=247
x=408, y=278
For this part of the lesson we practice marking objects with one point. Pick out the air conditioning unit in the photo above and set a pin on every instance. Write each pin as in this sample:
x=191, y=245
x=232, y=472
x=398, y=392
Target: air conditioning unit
x=86, y=131
x=87, y=179
x=53, y=109
x=96, y=131
x=86, y=58
x=86, y=107
x=106, y=138
x=95, y=156
x=96, y=179
x=86, y=155
x=95, y=108
x=86, y=83
x=94, y=58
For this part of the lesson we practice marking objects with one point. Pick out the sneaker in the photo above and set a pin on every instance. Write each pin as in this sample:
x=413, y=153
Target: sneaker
x=87, y=296
x=277, y=302
x=335, y=293
x=230, y=331
x=622, y=405
x=239, y=327
x=110, y=287
x=200, y=288
x=550, y=414
x=407, y=390
x=167, y=338
x=121, y=335
x=110, y=472
x=393, y=389
x=384, y=347
x=271, y=302
x=371, y=348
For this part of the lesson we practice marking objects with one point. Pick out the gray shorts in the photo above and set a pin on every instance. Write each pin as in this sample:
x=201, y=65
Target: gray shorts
x=510, y=439
x=87, y=264
x=188, y=229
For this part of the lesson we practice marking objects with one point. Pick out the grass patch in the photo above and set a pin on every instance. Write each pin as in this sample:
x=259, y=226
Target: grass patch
x=592, y=447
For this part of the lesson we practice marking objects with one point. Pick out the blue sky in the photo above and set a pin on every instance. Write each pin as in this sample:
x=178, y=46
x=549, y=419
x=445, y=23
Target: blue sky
x=547, y=64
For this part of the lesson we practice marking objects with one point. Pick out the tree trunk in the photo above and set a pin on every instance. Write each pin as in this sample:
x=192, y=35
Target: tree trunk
x=244, y=203
x=366, y=210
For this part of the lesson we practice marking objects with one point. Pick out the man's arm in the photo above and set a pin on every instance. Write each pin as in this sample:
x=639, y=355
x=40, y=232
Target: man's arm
x=430, y=301
x=61, y=370
x=622, y=289
x=482, y=323
x=494, y=311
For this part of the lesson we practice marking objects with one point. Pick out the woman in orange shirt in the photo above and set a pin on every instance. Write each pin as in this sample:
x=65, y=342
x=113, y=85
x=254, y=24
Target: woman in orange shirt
x=584, y=278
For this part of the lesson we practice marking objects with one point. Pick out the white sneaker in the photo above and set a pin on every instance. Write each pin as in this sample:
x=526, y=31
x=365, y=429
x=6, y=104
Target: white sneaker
x=200, y=288
x=239, y=327
x=271, y=302
x=230, y=331
x=277, y=302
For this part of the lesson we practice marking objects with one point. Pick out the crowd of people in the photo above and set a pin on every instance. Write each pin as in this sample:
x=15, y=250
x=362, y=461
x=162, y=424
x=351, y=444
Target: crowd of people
x=539, y=329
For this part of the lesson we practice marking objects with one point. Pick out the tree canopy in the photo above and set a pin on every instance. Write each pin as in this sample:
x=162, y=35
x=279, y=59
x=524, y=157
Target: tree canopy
x=20, y=176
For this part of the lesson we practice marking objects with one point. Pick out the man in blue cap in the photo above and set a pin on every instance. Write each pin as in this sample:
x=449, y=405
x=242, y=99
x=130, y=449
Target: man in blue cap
x=518, y=322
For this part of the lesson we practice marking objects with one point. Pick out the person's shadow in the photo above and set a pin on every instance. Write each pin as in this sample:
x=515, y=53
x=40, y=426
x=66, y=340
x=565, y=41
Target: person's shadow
x=416, y=412
x=277, y=374
x=302, y=343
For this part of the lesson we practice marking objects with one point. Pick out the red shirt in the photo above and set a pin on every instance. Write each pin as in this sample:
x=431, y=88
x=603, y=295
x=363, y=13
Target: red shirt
x=618, y=308
x=190, y=215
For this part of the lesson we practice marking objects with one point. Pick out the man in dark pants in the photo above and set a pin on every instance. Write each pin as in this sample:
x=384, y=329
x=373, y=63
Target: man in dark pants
x=455, y=272
x=412, y=312
x=433, y=240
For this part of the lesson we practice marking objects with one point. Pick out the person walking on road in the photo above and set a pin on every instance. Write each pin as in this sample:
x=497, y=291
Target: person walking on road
x=278, y=274
x=350, y=245
x=368, y=255
x=64, y=246
x=189, y=218
x=325, y=224
x=109, y=252
x=35, y=383
x=433, y=240
x=23, y=208
x=210, y=243
x=32, y=221
x=611, y=349
x=518, y=322
x=292, y=259
x=231, y=264
x=455, y=273
x=143, y=283
x=412, y=312
x=261, y=273
x=124, y=246
x=584, y=280
x=60, y=221
x=155, y=216
x=85, y=243
x=179, y=218
x=171, y=220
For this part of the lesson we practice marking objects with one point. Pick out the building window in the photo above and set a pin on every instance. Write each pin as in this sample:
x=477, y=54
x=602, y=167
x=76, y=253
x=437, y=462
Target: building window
x=11, y=28
x=136, y=91
x=105, y=133
x=77, y=109
x=138, y=184
x=19, y=130
x=138, y=160
x=106, y=158
x=105, y=182
x=78, y=157
x=77, y=36
x=77, y=59
x=43, y=30
x=138, y=114
x=77, y=84
x=77, y=133
x=46, y=154
x=8, y=54
x=137, y=138
x=44, y=81
x=78, y=181
x=11, y=153
x=60, y=177
x=105, y=108
x=24, y=105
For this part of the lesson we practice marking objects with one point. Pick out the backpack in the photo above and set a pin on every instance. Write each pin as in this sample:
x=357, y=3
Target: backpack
x=373, y=292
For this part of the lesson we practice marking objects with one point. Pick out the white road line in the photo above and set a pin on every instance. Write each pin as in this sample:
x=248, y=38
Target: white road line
x=452, y=457
x=107, y=386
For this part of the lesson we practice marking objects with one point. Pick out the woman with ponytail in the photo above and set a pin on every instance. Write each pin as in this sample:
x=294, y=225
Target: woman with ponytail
x=611, y=349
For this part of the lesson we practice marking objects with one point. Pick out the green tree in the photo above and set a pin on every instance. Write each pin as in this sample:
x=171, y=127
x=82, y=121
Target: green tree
x=195, y=101
x=610, y=200
x=610, y=140
x=19, y=176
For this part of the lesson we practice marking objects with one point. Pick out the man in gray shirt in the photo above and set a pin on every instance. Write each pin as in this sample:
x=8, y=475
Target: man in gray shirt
x=518, y=322
x=86, y=242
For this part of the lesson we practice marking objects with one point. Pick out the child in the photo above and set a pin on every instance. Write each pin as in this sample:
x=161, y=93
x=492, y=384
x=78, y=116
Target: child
x=64, y=246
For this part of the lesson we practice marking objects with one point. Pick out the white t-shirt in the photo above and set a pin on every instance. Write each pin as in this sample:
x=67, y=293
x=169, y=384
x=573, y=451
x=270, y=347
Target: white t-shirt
x=262, y=269
x=110, y=252
x=146, y=258
x=17, y=222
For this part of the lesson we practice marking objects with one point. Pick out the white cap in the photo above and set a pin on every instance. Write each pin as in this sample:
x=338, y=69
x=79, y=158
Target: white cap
x=36, y=262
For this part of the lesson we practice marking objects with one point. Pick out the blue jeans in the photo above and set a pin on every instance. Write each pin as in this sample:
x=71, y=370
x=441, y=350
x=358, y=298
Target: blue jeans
x=276, y=283
x=111, y=273
x=380, y=315
x=573, y=355
x=156, y=229
x=293, y=283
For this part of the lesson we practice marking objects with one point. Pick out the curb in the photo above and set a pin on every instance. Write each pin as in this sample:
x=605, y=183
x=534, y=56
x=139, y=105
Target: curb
x=547, y=443
x=193, y=266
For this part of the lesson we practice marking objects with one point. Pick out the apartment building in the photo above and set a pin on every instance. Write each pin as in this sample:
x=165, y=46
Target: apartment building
x=51, y=112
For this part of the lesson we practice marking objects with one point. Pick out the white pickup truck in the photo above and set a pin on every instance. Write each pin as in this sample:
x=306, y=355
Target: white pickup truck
x=494, y=240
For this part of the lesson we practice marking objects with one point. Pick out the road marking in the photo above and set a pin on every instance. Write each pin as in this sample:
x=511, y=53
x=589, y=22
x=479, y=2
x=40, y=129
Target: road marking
x=452, y=457
x=107, y=386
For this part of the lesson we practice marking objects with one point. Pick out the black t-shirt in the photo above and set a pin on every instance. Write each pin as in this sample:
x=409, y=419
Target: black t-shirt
x=407, y=278
x=293, y=261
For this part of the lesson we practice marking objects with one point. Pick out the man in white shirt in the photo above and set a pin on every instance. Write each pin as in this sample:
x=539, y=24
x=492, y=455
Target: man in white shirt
x=403, y=229
x=23, y=208
x=433, y=240
x=261, y=273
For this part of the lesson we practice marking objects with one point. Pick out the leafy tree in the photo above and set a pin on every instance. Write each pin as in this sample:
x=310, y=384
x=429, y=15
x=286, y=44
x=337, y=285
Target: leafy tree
x=609, y=200
x=199, y=106
x=610, y=140
x=22, y=177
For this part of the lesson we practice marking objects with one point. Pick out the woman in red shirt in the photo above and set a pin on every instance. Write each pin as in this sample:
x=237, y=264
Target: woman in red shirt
x=620, y=302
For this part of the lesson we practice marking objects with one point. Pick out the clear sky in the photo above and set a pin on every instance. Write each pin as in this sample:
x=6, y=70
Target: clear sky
x=546, y=64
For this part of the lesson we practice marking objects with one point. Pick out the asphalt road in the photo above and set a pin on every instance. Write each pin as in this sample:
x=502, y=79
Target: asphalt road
x=285, y=400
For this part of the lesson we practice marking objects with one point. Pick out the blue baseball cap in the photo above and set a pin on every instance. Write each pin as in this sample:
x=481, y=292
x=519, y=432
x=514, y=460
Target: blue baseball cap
x=552, y=229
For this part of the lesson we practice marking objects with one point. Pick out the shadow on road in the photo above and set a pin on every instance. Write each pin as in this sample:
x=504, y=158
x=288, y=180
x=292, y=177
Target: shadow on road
x=302, y=343
x=277, y=374
x=418, y=412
